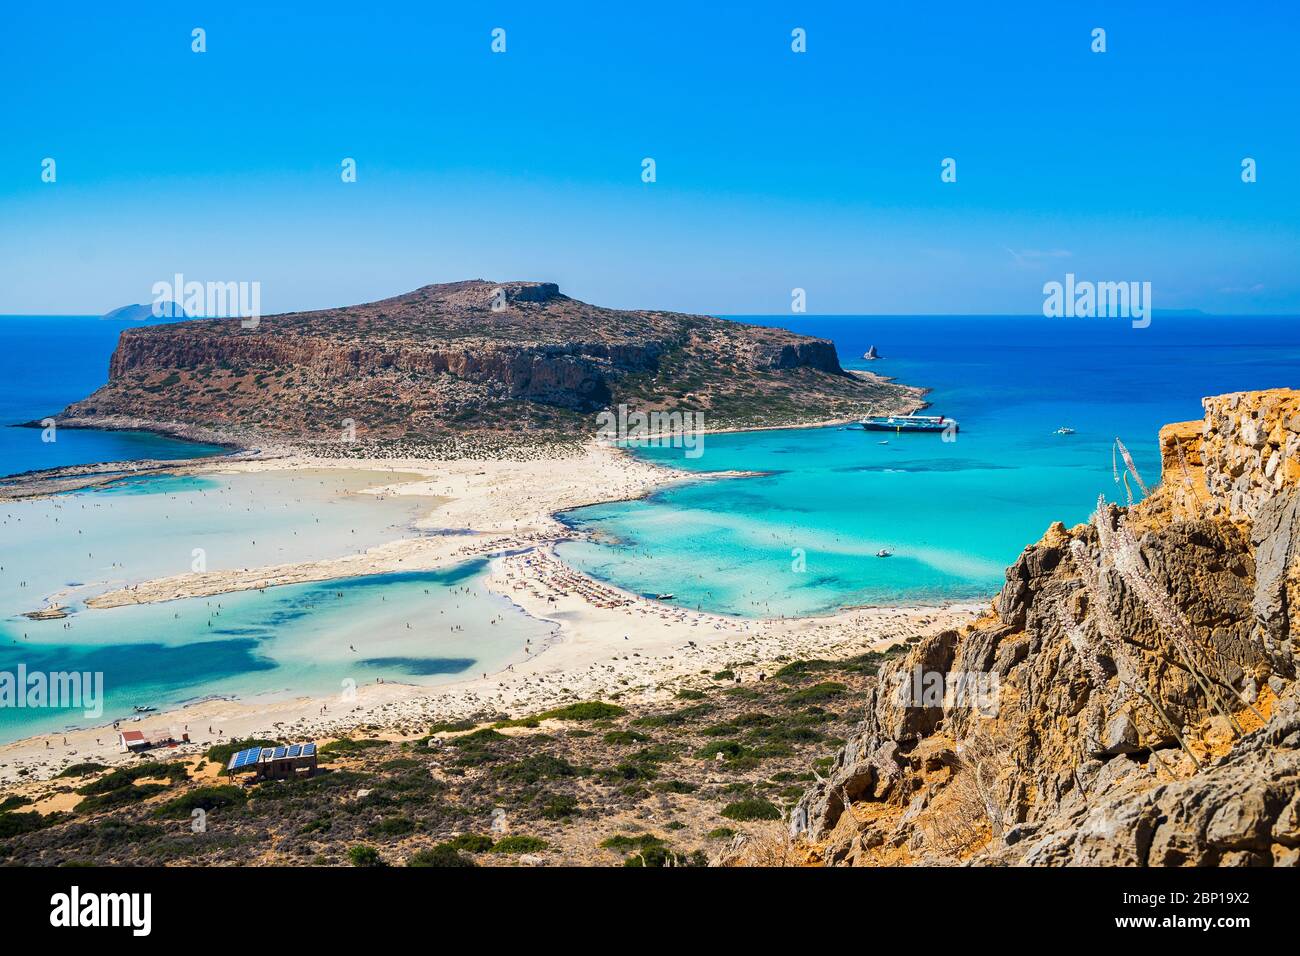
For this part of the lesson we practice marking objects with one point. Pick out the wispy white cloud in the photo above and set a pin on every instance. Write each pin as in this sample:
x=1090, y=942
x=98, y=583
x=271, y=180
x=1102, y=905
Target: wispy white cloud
x=1025, y=257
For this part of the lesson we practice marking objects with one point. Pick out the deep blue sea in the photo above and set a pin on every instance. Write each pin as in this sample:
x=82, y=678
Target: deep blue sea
x=803, y=538
x=47, y=362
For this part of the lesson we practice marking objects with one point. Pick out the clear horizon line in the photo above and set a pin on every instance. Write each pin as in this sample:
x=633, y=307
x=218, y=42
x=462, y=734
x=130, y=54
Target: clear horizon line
x=1168, y=313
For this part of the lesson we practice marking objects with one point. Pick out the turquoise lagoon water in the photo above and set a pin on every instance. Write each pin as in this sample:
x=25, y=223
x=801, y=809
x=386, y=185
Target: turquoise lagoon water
x=73, y=546
x=802, y=538
x=296, y=639
x=419, y=627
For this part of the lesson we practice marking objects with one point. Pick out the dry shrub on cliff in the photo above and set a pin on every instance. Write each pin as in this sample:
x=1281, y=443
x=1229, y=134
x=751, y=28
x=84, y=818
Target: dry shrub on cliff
x=1130, y=467
x=1110, y=644
x=970, y=811
x=767, y=845
x=1201, y=659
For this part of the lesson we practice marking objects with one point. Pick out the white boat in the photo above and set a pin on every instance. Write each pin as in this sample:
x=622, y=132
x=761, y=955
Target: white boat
x=884, y=553
x=1063, y=431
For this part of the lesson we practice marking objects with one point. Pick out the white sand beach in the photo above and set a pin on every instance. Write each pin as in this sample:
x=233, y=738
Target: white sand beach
x=606, y=643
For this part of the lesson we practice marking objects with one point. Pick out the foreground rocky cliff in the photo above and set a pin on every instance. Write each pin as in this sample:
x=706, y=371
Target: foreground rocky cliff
x=464, y=357
x=1130, y=699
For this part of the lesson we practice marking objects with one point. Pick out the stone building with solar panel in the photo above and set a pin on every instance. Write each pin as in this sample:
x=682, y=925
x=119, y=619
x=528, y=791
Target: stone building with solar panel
x=275, y=763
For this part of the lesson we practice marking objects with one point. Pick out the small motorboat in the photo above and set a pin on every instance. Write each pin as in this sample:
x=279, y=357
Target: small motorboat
x=884, y=553
x=664, y=597
x=1063, y=431
x=148, y=709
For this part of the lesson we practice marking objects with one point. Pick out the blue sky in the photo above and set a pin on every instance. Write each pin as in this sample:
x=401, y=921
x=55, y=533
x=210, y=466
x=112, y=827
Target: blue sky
x=775, y=170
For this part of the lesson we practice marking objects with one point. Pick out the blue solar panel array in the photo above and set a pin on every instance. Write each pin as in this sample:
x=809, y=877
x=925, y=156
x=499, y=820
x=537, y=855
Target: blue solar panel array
x=245, y=758
x=248, y=759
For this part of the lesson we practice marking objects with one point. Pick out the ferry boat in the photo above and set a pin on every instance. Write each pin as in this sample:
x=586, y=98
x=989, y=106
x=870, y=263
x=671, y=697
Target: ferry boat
x=909, y=423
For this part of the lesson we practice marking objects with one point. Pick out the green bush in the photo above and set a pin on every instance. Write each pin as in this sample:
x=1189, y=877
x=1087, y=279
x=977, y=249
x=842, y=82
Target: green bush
x=480, y=747
x=125, y=776
x=203, y=798
x=754, y=808
x=587, y=710
x=534, y=768
x=658, y=856
x=654, y=754
x=392, y=827
x=560, y=807
x=444, y=854
x=816, y=693
x=519, y=844
x=14, y=824
x=82, y=769
x=630, y=771
x=362, y=855
x=676, y=786
x=675, y=718
x=472, y=842
x=720, y=730
x=731, y=749
x=623, y=843
x=625, y=737
x=798, y=670
x=119, y=797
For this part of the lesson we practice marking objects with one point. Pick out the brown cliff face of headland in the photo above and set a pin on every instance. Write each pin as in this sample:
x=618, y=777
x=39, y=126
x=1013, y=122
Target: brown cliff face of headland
x=470, y=356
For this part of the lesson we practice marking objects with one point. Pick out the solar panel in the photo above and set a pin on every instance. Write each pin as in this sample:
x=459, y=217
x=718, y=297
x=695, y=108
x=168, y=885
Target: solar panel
x=295, y=750
x=244, y=758
x=266, y=752
x=280, y=752
x=309, y=750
